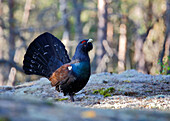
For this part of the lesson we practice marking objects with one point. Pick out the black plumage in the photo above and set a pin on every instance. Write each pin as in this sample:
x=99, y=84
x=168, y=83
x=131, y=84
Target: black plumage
x=47, y=56
x=44, y=55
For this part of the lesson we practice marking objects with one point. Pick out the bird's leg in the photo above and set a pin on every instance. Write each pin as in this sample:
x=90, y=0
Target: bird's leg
x=72, y=97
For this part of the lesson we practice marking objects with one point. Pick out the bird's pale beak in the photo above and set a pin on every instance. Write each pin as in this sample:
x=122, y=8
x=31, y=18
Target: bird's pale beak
x=90, y=40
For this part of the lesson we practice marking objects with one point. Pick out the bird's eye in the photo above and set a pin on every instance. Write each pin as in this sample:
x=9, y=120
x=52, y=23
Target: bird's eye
x=83, y=41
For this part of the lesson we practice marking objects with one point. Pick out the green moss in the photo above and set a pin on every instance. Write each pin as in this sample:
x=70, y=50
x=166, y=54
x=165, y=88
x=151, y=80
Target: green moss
x=62, y=99
x=111, y=89
x=95, y=91
x=105, y=92
x=148, y=91
x=164, y=65
x=107, y=95
x=127, y=81
x=5, y=119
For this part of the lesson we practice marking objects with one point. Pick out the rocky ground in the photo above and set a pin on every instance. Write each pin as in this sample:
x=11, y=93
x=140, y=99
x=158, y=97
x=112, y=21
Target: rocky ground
x=128, y=90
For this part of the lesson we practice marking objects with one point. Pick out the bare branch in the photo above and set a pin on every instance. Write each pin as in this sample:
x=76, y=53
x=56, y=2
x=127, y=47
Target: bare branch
x=13, y=64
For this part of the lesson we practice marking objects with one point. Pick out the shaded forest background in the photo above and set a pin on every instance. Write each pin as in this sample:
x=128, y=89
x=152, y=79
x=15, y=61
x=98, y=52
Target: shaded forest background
x=127, y=34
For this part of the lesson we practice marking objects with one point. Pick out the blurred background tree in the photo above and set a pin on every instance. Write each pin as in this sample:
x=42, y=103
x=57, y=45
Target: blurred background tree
x=127, y=34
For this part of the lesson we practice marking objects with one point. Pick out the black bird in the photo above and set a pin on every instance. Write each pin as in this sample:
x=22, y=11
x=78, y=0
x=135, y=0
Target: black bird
x=46, y=56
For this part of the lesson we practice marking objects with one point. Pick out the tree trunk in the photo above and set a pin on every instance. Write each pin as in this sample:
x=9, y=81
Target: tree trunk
x=11, y=30
x=1, y=52
x=166, y=45
x=110, y=65
x=139, y=55
x=63, y=9
x=168, y=72
x=11, y=35
x=26, y=12
x=78, y=26
x=122, y=48
x=101, y=33
x=110, y=33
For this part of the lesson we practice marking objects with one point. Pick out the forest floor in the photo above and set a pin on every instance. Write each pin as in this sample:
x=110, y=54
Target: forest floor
x=128, y=90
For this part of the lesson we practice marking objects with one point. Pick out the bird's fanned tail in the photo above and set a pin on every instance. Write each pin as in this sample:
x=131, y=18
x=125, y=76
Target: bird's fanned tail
x=44, y=55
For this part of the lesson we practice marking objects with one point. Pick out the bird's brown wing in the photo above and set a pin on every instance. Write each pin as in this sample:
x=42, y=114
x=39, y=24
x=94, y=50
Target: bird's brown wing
x=59, y=75
x=62, y=74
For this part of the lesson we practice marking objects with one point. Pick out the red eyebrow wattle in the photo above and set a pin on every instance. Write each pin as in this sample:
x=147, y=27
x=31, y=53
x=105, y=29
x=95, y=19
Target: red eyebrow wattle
x=83, y=41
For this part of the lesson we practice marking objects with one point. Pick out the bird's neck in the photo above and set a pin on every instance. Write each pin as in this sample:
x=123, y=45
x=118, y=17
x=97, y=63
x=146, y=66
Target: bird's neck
x=81, y=56
x=82, y=68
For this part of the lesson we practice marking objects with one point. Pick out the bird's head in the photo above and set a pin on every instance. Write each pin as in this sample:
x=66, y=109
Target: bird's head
x=85, y=45
x=82, y=50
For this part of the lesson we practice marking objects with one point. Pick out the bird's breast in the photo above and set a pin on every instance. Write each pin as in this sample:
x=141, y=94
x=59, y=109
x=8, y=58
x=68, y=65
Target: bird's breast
x=81, y=69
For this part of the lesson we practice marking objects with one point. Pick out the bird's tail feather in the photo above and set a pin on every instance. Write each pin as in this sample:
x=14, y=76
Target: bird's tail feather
x=44, y=55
